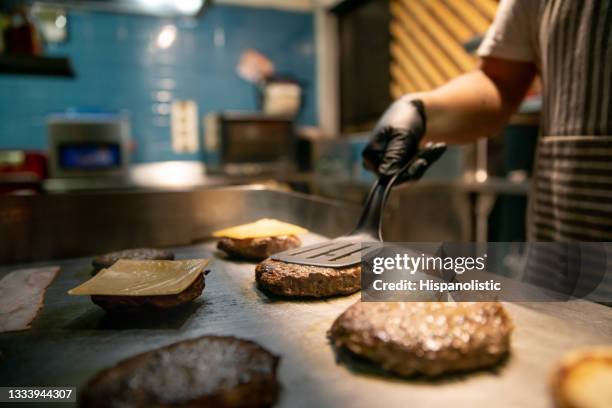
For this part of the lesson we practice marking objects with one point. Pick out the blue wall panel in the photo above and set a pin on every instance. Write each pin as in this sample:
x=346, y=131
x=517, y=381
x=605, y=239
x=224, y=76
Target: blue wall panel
x=119, y=67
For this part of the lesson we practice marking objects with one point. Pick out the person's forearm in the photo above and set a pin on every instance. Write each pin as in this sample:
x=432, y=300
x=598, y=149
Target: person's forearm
x=465, y=109
x=474, y=105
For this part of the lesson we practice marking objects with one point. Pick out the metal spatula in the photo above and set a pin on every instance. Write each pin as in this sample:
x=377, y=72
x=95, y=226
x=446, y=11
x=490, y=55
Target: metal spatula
x=348, y=250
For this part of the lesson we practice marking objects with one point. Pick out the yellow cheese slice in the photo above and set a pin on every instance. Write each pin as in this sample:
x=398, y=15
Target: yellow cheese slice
x=266, y=227
x=143, y=278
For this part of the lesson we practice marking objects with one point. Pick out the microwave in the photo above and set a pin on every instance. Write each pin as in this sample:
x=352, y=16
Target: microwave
x=248, y=143
x=88, y=145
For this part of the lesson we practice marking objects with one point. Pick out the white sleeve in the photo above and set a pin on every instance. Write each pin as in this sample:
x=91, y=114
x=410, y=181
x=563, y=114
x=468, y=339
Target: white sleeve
x=512, y=34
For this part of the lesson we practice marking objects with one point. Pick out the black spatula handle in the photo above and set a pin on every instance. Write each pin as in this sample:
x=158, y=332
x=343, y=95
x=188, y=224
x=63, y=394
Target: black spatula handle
x=416, y=168
x=370, y=222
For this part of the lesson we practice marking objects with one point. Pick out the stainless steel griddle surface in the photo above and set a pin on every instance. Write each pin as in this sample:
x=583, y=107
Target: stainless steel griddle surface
x=72, y=339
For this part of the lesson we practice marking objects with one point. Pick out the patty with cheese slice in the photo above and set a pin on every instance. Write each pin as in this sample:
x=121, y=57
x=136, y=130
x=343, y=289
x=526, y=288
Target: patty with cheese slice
x=135, y=285
x=259, y=240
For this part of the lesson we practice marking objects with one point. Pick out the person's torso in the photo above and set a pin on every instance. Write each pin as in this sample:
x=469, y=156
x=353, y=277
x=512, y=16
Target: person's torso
x=575, y=50
x=572, y=198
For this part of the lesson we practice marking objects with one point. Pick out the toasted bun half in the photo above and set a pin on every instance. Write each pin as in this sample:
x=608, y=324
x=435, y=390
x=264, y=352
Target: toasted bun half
x=583, y=379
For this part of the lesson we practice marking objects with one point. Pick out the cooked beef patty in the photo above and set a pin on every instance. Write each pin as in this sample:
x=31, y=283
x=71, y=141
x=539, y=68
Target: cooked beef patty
x=288, y=279
x=112, y=303
x=257, y=249
x=107, y=260
x=429, y=338
x=209, y=371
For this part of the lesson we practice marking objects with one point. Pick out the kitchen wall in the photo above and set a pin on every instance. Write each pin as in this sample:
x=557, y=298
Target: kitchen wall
x=120, y=67
x=428, y=40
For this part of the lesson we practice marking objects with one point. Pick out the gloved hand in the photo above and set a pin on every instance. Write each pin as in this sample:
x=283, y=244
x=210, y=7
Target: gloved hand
x=396, y=137
x=422, y=161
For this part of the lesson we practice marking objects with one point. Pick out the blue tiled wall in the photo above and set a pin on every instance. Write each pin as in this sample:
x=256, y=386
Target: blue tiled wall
x=119, y=68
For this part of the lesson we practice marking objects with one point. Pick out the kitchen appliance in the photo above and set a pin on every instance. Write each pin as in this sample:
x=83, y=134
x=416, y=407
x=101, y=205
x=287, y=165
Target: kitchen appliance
x=349, y=249
x=71, y=339
x=281, y=97
x=88, y=145
x=249, y=143
x=22, y=171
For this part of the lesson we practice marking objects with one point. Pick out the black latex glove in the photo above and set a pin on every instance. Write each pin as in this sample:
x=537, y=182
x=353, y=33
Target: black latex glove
x=396, y=137
x=423, y=160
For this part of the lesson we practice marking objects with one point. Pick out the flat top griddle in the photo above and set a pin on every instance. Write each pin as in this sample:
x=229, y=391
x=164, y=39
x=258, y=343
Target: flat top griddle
x=72, y=339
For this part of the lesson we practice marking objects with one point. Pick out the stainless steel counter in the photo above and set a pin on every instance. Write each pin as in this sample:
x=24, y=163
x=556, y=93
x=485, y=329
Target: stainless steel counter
x=72, y=339
x=59, y=226
x=174, y=176
x=69, y=225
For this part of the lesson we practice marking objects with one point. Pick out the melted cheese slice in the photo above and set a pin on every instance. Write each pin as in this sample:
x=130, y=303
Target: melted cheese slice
x=266, y=227
x=143, y=278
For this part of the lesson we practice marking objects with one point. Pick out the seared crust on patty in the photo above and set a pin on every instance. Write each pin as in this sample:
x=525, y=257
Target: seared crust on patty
x=112, y=303
x=209, y=371
x=428, y=338
x=257, y=249
x=152, y=254
x=287, y=279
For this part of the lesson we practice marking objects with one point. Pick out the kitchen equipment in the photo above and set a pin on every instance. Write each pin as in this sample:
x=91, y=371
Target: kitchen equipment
x=88, y=144
x=249, y=143
x=349, y=249
x=22, y=171
x=72, y=339
x=281, y=97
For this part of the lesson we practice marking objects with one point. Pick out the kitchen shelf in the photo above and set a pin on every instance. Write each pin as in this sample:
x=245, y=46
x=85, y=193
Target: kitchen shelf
x=36, y=65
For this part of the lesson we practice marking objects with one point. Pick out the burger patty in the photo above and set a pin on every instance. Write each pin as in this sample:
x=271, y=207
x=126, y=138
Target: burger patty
x=428, y=338
x=209, y=371
x=257, y=249
x=288, y=279
x=112, y=303
x=107, y=260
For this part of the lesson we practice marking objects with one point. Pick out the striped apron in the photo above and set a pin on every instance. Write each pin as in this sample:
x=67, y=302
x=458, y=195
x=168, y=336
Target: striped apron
x=571, y=199
x=572, y=196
